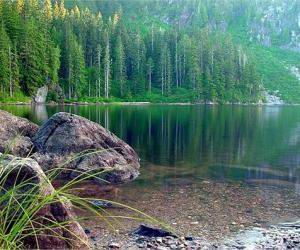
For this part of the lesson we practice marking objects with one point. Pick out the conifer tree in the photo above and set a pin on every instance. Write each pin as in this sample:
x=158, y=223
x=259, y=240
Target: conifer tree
x=56, y=10
x=98, y=70
x=107, y=65
x=20, y=4
x=4, y=59
x=120, y=71
x=150, y=74
x=48, y=10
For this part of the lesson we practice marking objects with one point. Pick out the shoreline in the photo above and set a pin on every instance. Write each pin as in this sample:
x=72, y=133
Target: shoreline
x=283, y=236
x=145, y=104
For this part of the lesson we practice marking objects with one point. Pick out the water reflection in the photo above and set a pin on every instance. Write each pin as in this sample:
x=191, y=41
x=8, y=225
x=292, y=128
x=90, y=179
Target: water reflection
x=40, y=112
x=223, y=142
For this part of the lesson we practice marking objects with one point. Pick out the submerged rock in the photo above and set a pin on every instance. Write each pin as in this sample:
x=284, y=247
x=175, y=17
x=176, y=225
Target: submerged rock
x=148, y=231
x=34, y=182
x=16, y=134
x=82, y=146
x=102, y=204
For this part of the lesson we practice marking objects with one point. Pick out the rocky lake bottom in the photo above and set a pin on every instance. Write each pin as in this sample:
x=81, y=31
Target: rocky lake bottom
x=207, y=213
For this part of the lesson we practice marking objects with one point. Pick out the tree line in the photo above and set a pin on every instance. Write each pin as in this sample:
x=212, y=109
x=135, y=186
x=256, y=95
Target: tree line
x=89, y=55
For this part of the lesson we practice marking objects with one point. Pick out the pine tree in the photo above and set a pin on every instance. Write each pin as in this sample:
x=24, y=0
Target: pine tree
x=176, y=60
x=54, y=64
x=14, y=71
x=194, y=68
x=162, y=63
x=62, y=10
x=31, y=57
x=12, y=21
x=20, y=4
x=107, y=66
x=48, y=10
x=4, y=58
x=78, y=74
x=168, y=71
x=98, y=70
x=1, y=7
x=150, y=74
x=120, y=70
x=56, y=10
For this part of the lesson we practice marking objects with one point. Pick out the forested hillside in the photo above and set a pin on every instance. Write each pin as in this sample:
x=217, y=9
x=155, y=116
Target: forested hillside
x=199, y=51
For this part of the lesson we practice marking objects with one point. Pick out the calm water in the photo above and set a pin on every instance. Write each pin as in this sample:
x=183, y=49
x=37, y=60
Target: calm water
x=206, y=170
x=227, y=143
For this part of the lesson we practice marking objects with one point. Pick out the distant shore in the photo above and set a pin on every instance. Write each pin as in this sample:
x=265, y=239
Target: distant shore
x=80, y=103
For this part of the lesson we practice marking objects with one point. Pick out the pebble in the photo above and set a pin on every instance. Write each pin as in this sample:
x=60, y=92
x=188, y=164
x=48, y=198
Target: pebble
x=161, y=248
x=114, y=245
x=150, y=245
x=159, y=240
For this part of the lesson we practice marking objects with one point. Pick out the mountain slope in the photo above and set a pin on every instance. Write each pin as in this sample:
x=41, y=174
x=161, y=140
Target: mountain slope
x=182, y=50
x=269, y=30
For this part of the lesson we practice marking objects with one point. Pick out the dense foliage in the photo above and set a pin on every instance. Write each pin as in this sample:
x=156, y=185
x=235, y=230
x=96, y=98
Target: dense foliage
x=97, y=56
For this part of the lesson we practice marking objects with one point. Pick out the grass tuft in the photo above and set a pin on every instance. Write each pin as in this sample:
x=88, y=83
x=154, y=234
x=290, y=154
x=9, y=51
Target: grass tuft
x=22, y=197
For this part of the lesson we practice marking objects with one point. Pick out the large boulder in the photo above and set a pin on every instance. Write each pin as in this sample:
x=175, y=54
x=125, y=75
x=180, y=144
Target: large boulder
x=31, y=188
x=16, y=134
x=64, y=136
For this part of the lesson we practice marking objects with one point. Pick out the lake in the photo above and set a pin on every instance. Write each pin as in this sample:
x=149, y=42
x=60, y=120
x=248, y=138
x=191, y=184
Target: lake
x=208, y=170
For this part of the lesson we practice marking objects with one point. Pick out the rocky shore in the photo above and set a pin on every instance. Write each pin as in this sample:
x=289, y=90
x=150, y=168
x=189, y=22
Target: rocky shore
x=281, y=236
x=67, y=147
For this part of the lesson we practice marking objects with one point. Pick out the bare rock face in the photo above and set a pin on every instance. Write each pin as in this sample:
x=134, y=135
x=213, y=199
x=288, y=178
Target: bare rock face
x=16, y=171
x=64, y=136
x=41, y=95
x=15, y=134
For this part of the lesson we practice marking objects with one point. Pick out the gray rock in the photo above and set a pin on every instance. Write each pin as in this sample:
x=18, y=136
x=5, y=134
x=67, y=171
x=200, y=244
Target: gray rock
x=64, y=136
x=20, y=146
x=16, y=134
x=148, y=231
x=41, y=95
x=28, y=176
